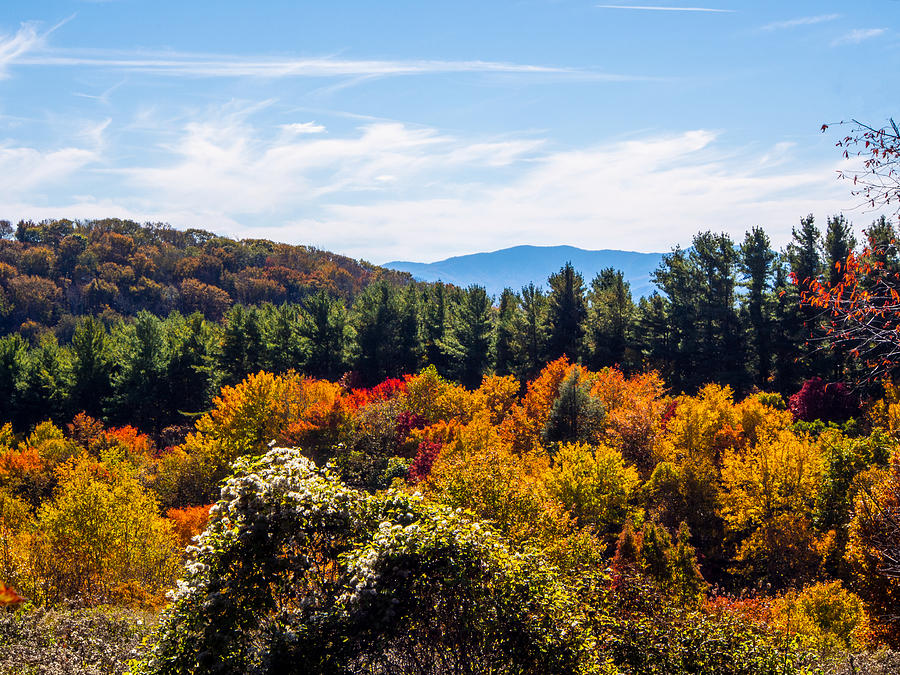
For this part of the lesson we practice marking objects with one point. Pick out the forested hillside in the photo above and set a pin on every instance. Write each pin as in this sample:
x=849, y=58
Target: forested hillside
x=142, y=324
x=52, y=271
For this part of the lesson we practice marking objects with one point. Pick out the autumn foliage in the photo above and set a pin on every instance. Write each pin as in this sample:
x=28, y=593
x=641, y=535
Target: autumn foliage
x=708, y=511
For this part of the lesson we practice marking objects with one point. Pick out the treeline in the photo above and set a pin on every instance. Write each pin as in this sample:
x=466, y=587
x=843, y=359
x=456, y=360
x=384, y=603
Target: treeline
x=56, y=270
x=726, y=312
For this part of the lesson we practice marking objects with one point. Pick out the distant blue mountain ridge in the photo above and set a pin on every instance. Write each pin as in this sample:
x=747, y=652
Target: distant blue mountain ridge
x=519, y=265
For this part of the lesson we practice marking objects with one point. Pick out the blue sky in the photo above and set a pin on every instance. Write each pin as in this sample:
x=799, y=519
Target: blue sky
x=419, y=130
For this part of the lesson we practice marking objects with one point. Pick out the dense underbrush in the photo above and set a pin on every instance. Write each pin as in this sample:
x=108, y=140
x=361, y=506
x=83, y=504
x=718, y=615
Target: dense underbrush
x=98, y=641
x=587, y=522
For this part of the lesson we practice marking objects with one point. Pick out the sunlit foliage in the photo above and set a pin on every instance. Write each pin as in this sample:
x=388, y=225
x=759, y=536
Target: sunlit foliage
x=769, y=492
x=99, y=539
x=594, y=485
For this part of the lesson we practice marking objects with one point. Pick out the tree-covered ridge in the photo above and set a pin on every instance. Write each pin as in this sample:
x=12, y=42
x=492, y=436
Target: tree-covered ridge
x=726, y=313
x=54, y=270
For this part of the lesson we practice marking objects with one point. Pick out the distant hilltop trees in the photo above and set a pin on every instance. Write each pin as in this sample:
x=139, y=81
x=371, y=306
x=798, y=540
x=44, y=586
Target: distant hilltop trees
x=54, y=270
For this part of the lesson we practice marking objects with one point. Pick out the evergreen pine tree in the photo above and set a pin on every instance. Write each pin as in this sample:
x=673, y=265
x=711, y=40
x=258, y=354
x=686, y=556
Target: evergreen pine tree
x=92, y=367
x=679, y=279
x=566, y=314
x=242, y=348
x=409, y=334
x=281, y=339
x=434, y=326
x=45, y=384
x=139, y=387
x=756, y=260
x=188, y=370
x=470, y=343
x=386, y=329
x=530, y=336
x=721, y=346
x=505, y=353
x=656, y=339
x=322, y=335
x=839, y=242
x=804, y=255
x=13, y=354
x=610, y=319
x=575, y=415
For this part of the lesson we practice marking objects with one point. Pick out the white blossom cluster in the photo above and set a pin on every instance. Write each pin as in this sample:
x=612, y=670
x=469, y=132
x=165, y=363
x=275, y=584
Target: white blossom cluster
x=293, y=560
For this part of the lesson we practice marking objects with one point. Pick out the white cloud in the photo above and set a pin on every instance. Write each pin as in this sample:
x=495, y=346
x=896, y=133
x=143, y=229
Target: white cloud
x=660, y=8
x=392, y=191
x=303, y=128
x=493, y=154
x=12, y=47
x=26, y=170
x=858, y=35
x=800, y=21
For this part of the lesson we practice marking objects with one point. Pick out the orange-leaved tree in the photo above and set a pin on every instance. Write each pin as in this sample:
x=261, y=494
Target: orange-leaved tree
x=8, y=596
x=245, y=419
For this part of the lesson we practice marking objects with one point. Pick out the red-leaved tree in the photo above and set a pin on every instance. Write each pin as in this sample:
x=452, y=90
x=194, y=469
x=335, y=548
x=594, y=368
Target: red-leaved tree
x=861, y=303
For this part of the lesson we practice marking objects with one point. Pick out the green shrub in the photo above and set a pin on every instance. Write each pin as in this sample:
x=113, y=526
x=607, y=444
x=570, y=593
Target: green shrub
x=299, y=574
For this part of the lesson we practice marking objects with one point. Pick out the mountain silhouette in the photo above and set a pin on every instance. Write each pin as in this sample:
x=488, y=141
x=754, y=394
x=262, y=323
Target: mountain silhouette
x=517, y=266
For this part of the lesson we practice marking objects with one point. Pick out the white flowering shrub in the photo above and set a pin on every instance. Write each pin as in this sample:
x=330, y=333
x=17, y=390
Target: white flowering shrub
x=298, y=573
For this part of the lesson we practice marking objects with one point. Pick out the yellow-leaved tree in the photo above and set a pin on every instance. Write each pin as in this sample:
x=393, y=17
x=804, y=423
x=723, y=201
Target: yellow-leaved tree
x=434, y=399
x=594, y=484
x=100, y=539
x=769, y=492
x=689, y=454
x=825, y=617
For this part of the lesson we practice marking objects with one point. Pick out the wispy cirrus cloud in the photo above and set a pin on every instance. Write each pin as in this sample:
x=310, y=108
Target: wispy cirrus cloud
x=800, y=21
x=854, y=37
x=26, y=40
x=389, y=190
x=212, y=65
x=12, y=47
x=663, y=8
